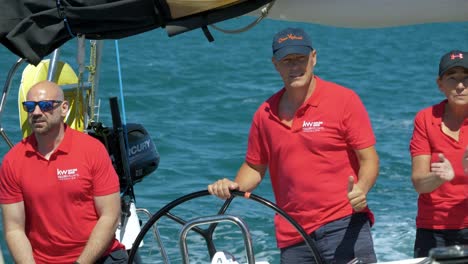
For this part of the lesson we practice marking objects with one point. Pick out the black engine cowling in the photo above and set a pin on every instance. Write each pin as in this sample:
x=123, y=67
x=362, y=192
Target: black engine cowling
x=143, y=156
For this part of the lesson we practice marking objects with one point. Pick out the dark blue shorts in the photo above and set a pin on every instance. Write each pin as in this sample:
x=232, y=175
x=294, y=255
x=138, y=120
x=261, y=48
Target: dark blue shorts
x=115, y=257
x=338, y=242
x=426, y=239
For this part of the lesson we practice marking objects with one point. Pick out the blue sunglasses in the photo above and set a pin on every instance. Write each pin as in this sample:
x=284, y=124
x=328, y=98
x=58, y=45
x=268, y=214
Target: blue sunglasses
x=45, y=105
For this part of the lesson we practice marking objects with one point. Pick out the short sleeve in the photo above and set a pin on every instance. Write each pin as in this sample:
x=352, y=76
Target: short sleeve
x=356, y=124
x=10, y=188
x=105, y=179
x=419, y=143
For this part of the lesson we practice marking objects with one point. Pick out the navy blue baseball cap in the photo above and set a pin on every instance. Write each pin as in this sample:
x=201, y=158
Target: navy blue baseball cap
x=291, y=41
x=454, y=58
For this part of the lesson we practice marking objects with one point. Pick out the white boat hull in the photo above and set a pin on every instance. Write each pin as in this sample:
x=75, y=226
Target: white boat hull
x=405, y=261
x=370, y=13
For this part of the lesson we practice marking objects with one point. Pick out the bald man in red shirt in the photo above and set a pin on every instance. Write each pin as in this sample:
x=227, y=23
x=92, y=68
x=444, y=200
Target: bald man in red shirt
x=59, y=192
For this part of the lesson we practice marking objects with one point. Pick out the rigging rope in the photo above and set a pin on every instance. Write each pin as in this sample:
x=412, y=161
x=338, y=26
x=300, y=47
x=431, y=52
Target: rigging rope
x=129, y=188
x=79, y=93
x=92, y=72
x=263, y=14
x=119, y=70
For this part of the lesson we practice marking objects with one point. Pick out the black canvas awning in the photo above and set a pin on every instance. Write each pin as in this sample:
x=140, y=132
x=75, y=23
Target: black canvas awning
x=32, y=29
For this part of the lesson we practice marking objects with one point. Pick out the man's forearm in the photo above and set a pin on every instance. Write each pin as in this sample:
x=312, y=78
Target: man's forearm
x=426, y=182
x=20, y=247
x=367, y=176
x=99, y=241
x=249, y=176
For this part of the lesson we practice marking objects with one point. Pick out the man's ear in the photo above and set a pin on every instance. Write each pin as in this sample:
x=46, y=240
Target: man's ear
x=65, y=107
x=439, y=83
x=313, y=54
x=275, y=62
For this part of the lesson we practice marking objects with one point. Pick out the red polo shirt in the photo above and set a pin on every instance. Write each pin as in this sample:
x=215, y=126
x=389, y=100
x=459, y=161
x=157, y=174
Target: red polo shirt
x=58, y=193
x=310, y=162
x=447, y=206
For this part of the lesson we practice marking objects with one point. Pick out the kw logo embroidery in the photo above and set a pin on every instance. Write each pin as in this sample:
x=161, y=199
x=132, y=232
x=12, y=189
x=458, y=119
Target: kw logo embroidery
x=67, y=174
x=312, y=126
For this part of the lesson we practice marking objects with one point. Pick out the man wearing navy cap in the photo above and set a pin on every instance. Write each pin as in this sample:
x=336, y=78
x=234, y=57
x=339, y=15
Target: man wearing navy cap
x=439, y=154
x=316, y=140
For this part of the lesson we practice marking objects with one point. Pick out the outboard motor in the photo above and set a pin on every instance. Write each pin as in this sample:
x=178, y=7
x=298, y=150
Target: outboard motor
x=142, y=152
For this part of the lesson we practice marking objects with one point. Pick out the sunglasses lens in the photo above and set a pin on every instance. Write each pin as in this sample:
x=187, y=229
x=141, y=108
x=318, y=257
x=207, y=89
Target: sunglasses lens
x=29, y=106
x=46, y=105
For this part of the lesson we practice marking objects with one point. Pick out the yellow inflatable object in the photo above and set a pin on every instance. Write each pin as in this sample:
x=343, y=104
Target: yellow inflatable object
x=65, y=75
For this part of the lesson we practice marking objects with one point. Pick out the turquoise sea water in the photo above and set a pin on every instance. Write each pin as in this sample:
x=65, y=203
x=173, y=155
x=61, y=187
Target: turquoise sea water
x=197, y=98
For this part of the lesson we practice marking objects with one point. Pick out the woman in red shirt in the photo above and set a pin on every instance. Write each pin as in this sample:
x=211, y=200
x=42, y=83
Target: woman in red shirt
x=437, y=146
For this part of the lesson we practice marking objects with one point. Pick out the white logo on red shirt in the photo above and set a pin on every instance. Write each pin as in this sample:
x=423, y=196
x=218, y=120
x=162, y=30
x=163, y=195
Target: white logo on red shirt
x=312, y=126
x=67, y=174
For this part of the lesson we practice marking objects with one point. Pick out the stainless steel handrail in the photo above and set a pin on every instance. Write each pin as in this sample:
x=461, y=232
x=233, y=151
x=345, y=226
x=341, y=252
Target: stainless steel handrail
x=216, y=219
x=156, y=235
x=6, y=89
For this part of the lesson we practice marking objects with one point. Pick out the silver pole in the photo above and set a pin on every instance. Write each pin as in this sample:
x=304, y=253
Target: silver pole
x=1, y=256
x=6, y=89
x=53, y=65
